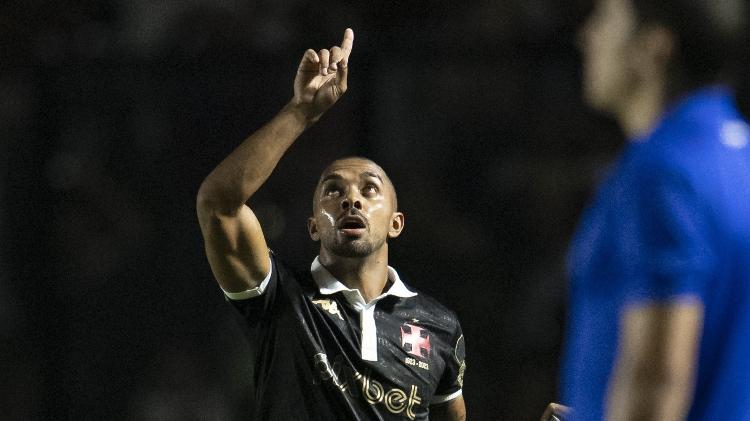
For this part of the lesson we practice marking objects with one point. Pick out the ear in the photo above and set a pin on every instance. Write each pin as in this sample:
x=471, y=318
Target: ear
x=312, y=229
x=397, y=225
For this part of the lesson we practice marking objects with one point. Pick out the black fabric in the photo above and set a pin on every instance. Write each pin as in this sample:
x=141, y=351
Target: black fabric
x=307, y=354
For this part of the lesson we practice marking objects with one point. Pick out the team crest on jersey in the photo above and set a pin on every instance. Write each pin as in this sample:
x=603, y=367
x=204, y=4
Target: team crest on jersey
x=415, y=340
x=330, y=306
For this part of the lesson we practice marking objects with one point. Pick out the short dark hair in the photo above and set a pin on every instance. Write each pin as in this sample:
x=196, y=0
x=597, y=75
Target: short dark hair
x=709, y=33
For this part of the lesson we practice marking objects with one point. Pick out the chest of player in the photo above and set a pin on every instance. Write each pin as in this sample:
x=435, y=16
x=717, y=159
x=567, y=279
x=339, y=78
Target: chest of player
x=385, y=350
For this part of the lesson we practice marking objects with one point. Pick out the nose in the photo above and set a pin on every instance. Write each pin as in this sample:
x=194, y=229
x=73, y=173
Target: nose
x=351, y=201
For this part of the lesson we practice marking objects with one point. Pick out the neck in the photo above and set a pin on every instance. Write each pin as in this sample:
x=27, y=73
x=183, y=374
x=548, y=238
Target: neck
x=367, y=274
x=640, y=111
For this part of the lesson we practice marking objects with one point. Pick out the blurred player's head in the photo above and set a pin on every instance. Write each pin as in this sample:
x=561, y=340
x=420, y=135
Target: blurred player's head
x=354, y=208
x=670, y=45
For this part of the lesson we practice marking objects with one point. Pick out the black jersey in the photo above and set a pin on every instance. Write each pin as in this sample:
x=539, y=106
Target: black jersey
x=322, y=353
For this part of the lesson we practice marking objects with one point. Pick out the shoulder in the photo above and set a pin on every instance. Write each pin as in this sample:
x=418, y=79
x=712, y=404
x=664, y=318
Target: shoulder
x=666, y=161
x=430, y=302
x=439, y=312
x=290, y=277
x=691, y=166
x=695, y=142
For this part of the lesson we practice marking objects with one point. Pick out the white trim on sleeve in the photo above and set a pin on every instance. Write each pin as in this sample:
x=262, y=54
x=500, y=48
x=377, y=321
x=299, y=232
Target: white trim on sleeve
x=253, y=292
x=445, y=398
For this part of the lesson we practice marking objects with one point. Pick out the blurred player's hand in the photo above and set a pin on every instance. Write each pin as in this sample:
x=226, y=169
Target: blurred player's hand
x=556, y=412
x=321, y=78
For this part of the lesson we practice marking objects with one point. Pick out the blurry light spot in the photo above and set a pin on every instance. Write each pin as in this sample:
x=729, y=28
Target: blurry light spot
x=734, y=134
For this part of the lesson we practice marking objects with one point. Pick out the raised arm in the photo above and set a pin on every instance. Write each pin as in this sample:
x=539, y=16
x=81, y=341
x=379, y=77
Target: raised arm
x=234, y=241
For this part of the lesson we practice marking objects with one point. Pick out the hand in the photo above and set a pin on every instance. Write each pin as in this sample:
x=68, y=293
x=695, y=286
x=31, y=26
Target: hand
x=555, y=411
x=321, y=78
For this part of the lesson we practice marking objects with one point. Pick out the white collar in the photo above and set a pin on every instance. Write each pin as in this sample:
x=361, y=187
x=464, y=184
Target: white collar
x=328, y=284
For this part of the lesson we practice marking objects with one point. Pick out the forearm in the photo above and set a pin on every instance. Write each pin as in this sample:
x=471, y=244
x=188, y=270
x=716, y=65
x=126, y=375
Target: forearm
x=655, y=367
x=242, y=173
x=650, y=397
x=454, y=410
x=235, y=245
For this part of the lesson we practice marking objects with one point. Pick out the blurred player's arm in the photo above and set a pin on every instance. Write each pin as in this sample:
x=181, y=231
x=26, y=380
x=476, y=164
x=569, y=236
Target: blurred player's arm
x=655, y=368
x=234, y=241
x=453, y=410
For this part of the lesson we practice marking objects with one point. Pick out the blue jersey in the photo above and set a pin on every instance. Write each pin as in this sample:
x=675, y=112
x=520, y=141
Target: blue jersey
x=671, y=221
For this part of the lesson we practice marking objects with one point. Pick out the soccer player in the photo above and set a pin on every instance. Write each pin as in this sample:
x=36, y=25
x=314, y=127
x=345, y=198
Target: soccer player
x=660, y=265
x=346, y=339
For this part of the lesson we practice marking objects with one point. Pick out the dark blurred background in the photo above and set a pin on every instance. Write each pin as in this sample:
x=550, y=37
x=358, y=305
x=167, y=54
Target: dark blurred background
x=113, y=111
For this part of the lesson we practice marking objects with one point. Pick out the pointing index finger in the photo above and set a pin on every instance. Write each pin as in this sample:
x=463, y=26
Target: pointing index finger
x=346, y=44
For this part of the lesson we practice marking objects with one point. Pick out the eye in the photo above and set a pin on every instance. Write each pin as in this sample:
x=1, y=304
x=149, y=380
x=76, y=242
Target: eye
x=332, y=191
x=370, y=190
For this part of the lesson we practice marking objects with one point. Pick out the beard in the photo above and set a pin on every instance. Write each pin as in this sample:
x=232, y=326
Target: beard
x=347, y=247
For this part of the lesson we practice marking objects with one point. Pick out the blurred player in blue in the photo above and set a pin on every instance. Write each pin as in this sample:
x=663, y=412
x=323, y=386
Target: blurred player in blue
x=659, y=323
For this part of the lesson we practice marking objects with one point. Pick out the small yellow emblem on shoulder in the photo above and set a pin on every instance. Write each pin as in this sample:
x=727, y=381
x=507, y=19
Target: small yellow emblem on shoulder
x=330, y=306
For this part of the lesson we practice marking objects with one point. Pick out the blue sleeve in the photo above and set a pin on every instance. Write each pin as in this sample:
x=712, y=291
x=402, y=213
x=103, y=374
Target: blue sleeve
x=673, y=236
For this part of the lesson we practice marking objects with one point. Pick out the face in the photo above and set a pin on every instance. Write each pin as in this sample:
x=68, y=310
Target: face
x=354, y=209
x=607, y=43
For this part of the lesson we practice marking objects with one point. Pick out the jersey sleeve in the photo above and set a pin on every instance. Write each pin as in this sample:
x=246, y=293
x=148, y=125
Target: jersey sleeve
x=256, y=304
x=672, y=235
x=452, y=380
x=252, y=292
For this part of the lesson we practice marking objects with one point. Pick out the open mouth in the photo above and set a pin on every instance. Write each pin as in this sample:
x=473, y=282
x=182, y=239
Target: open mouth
x=353, y=226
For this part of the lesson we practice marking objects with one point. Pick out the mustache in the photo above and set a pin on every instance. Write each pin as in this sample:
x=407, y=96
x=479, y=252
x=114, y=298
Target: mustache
x=352, y=212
